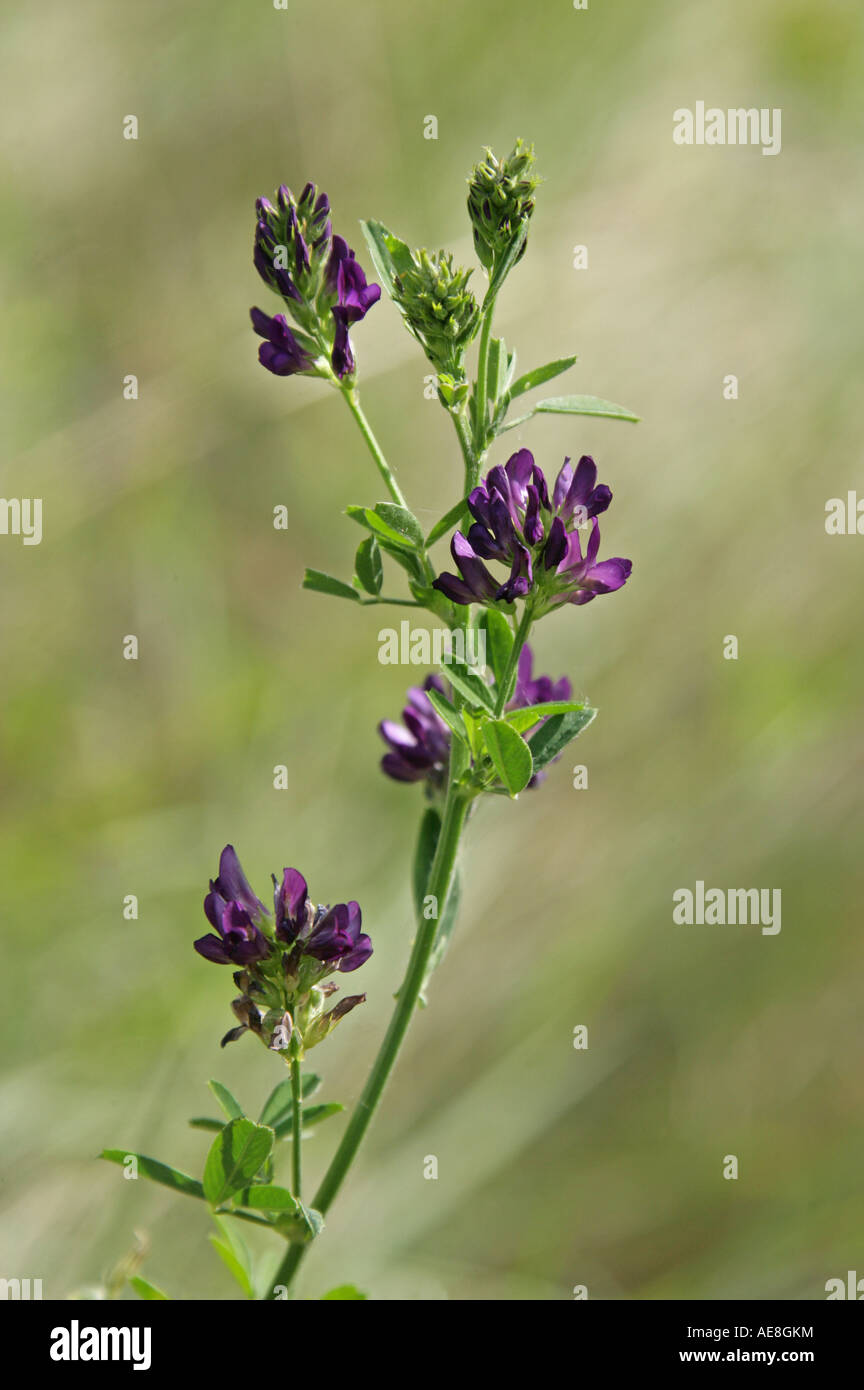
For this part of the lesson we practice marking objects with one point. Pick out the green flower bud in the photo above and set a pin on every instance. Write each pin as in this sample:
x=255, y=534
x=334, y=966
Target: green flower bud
x=439, y=308
x=500, y=204
x=325, y=1023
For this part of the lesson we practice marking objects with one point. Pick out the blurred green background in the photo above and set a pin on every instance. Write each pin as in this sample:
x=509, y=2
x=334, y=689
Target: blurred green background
x=556, y=1167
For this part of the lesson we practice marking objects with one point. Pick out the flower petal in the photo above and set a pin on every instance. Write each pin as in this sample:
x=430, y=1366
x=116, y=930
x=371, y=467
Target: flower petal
x=211, y=948
x=233, y=884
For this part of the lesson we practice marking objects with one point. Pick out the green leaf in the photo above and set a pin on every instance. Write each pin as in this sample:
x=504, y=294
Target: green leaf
x=451, y=716
x=499, y=642
x=434, y=600
x=460, y=757
x=396, y=524
x=321, y=583
x=305, y=1226
x=367, y=565
x=266, y=1197
x=157, y=1172
x=234, y=1254
x=284, y=1127
x=314, y=1114
x=541, y=374
x=473, y=728
x=408, y=559
x=231, y=1262
x=232, y=1238
x=343, y=1291
x=277, y=1103
x=234, y=1158
x=358, y=514
x=146, y=1290
x=207, y=1122
x=510, y=754
x=502, y=270
x=311, y=1116
x=389, y=538
x=448, y=520
x=522, y=719
x=556, y=733
x=446, y=923
x=469, y=686
x=230, y=1105
x=496, y=371
x=390, y=256
x=446, y=389
x=583, y=405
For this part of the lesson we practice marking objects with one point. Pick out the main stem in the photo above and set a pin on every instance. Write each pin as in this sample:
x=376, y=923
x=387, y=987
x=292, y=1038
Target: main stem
x=482, y=380
x=466, y=446
x=438, y=885
x=518, y=643
x=350, y=394
x=296, y=1128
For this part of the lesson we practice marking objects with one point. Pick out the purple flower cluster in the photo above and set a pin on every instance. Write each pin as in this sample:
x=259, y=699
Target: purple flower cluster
x=331, y=935
x=420, y=748
x=518, y=524
x=319, y=278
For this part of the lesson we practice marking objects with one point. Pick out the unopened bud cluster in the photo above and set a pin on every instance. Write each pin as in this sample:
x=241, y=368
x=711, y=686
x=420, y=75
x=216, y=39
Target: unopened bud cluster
x=439, y=308
x=500, y=204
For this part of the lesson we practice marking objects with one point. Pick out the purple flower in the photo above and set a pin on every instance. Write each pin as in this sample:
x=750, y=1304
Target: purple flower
x=293, y=909
x=345, y=277
x=319, y=278
x=540, y=690
x=274, y=276
x=517, y=524
x=578, y=493
x=331, y=934
x=234, y=910
x=590, y=579
x=336, y=939
x=354, y=298
x=420, y=750
x=239, y=941
x=281, y=354
x=233, y=885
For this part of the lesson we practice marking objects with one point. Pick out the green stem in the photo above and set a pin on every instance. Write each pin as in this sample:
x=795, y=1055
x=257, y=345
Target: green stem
x=440, y=879
x=296, y=1128
x=480, y=399
x=518, y=643
x=394, y=602
x=350, y=394
x=461, y=428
